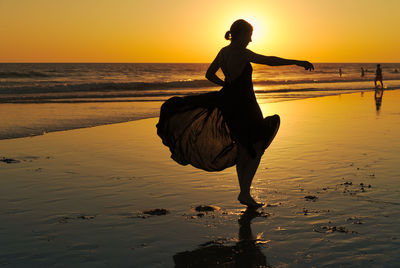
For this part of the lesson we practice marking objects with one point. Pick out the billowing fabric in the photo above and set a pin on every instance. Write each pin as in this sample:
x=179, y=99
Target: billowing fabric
x=204, y=130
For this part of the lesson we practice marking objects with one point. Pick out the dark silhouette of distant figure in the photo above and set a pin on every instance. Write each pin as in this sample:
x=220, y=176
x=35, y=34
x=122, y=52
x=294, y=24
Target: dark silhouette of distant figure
x=378, y=99
x=378, y=75
x=340, y=72
x=362, y=72
x=245, y=253
x=396, y=71
x=217, y=130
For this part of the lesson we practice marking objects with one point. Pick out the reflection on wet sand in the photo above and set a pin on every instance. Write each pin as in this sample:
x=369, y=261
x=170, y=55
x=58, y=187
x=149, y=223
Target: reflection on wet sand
x=245, y=253
x=378, y=99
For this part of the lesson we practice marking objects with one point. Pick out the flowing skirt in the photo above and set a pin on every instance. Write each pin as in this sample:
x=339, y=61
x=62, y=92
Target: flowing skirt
x=204, y=130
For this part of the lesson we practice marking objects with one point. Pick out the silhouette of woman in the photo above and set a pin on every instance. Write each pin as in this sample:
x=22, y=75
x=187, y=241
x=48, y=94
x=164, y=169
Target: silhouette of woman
x=217, y=130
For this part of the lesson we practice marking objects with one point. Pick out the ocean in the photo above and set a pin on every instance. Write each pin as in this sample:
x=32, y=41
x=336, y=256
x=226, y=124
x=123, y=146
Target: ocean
x=36, y=98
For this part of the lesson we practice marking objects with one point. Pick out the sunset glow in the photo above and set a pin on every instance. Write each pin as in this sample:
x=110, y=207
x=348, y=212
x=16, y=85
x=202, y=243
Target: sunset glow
x=193, y=31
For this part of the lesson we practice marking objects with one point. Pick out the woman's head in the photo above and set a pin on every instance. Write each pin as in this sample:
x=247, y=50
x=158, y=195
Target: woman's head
x=240, y=29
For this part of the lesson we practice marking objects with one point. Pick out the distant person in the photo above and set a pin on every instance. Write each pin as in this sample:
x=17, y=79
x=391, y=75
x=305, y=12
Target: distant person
x=378, y=75
x=340, y=72
x=217, y=130
x=396, y=71
x=362, y=72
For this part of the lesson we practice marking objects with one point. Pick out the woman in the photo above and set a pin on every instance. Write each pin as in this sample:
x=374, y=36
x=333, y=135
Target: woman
x=217, y=130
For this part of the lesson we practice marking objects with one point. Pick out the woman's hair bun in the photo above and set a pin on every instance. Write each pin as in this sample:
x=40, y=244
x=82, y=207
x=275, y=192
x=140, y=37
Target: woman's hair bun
x=237, y=28
x=228, y=35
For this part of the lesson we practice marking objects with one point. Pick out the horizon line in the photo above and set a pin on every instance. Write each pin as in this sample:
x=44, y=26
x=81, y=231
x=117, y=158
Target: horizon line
x=118, y=62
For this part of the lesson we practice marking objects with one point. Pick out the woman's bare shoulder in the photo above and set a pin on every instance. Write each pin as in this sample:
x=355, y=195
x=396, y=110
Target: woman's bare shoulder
x=223, y=50
x=223, y=54
x=229, y=51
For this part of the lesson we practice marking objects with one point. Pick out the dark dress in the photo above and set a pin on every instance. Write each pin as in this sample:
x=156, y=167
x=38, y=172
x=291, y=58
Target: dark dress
x=203, y=130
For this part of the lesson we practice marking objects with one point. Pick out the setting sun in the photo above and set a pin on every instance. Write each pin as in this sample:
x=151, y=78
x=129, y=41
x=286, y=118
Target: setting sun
x=259, y=34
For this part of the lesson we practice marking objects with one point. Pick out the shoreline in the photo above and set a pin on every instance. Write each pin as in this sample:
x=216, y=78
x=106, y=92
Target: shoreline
x=146, y=110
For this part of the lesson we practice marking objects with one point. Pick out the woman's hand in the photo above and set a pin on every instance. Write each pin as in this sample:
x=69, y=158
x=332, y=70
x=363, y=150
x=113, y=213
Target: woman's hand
x=307, y=65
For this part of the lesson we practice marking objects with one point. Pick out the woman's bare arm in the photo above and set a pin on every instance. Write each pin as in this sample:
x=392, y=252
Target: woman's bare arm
x=276, y=61
x=212, y=69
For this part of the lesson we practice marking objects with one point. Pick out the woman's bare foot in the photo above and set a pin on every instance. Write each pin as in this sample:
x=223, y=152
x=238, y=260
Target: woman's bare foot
x=249, y=201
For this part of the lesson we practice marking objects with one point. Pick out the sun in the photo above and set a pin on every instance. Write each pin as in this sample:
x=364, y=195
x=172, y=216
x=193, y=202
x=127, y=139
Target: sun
x=257, y=28
x=259, y=24
x=258, y=20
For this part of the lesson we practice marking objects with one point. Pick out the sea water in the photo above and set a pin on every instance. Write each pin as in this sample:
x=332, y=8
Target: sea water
x=36, y=98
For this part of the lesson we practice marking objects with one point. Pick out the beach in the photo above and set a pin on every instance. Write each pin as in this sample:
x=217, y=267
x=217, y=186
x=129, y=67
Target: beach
x=88, y=197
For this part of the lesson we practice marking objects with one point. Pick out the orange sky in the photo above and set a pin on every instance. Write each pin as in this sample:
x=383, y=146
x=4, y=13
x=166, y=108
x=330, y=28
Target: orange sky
x=192, y=31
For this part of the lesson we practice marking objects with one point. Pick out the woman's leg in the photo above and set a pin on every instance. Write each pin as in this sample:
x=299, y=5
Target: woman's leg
x=246, y=165
x=246, y=168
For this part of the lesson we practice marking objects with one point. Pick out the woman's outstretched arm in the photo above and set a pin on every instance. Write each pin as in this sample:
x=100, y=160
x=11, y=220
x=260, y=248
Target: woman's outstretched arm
x=276, y=61
x=212, y=69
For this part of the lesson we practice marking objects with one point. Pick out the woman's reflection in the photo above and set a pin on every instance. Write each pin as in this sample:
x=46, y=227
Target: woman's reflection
x=246, y=252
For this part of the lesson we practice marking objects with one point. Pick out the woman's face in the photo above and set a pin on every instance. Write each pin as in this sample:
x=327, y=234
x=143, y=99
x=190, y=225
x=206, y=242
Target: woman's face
x=245, y=38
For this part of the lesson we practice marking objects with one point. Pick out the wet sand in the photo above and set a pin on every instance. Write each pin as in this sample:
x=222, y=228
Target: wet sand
x=110, y=196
